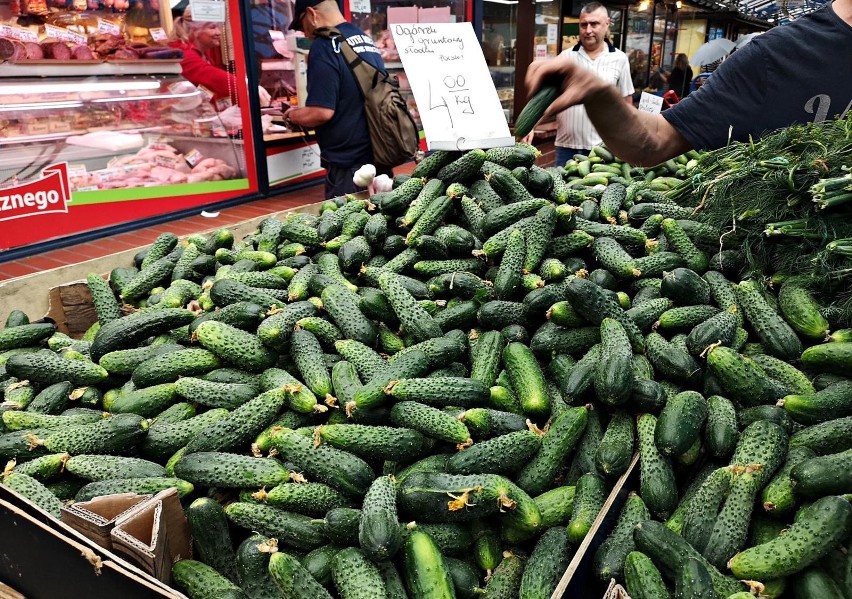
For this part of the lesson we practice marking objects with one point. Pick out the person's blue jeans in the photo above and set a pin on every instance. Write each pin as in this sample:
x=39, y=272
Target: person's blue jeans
x=563, y=155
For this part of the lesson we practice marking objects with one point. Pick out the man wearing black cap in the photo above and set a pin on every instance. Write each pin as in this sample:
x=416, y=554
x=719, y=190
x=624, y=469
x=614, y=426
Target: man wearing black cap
x=335, y=106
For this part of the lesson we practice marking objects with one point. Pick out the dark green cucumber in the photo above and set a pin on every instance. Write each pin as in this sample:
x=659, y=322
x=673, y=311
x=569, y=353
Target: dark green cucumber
x=774, y=333
x=559, y=440
x=343, y=309
x=505, y=581
x=825, y=522
x=679, y=424
x=589, y=498
x=720, y=429
x=34, y=491
x=642, y=578
x=227, y=470
x=657, y=485
x=741, y=377
x=119, y=434
x=379, y=534
x=242, y=425
x=670, y=552
x=823, y=475
x=763, y=443
x=105, y=467
x=616, y=447
x=730, y=530
x=215, y=395
x=777, y=496
x=198, y=579
x=594, y=304
x=374, y=442
x=832, y=402
x=338, y=469
x=609, y=560
x=294, y=530
x=211, y=539
x=292, y=579
x=694, y=582
x=546, y=564
x=441, y=391
x=504, y=454
x=148, y=485
x=527, y=379
x=240, y=348
x=311, y=499
x=613, y=377
x=164, y=439
x=430, y=421
x=424, y=569
x=534, y=109
x=827, y=437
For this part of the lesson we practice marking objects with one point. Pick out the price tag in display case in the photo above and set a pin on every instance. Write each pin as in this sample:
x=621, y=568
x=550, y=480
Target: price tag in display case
x=108, y=27
x=452, y=86
x=158, y=34
x=212, y=11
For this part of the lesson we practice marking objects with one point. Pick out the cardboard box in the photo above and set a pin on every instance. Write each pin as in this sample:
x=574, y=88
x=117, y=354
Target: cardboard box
x=43, y=557
x=579, y=581
x=97, y=517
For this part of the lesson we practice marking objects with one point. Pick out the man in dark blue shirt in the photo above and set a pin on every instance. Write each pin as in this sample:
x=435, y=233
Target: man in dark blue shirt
x=335, y=105
x=797, y=73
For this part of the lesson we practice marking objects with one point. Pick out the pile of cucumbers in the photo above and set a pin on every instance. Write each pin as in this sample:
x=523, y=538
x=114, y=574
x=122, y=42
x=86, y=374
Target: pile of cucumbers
x=431, y=392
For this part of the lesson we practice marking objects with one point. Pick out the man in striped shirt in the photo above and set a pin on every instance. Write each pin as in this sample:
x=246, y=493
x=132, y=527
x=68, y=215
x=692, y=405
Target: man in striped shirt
x=575, y=133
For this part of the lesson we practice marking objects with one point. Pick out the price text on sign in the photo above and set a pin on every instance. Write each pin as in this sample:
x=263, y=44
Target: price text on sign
x=451, y=83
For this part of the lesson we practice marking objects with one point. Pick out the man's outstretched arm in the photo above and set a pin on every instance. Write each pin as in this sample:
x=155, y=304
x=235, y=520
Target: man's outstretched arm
x=639, y=138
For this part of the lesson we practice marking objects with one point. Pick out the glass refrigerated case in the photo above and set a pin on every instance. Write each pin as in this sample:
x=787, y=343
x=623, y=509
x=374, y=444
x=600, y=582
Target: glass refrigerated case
x=98, y=127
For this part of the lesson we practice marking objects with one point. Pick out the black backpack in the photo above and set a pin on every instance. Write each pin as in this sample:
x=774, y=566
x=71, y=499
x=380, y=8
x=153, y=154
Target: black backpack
x=393, y=133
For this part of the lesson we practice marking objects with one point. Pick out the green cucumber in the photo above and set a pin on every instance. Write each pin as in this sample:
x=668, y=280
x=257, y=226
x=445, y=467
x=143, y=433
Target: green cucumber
x=589, y=498
x=198, y=579
x=294, y=530
x=292, y=579
x=679, y=424
x=424, y=570
x=211, y=539
x=546, y=564
x=616, y=447
x=559, y=440
x=527, y=379
x=610, y=558
x=825, y=523
x=774, y=333
x=642, y=578
x=378, y=533
x=657, y=484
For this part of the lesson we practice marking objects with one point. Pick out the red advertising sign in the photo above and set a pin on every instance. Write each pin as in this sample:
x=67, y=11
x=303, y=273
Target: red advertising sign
x=46, y=195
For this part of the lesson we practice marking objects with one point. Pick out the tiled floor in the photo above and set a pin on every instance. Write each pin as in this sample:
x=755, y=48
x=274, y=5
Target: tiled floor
x=228, y=216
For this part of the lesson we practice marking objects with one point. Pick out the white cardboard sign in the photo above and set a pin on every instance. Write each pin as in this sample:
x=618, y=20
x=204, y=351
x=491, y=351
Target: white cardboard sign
x=650, y=103
x=455, y=94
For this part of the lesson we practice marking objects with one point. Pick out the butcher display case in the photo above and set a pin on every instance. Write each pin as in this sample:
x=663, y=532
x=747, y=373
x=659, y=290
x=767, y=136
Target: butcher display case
x=131, y=140
x=99, y=128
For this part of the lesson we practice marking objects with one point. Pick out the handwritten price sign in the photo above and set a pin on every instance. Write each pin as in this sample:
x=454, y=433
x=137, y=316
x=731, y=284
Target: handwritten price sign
x=451, y=83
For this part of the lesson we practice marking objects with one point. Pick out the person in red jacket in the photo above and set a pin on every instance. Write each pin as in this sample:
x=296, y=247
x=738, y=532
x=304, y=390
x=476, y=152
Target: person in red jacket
x=202, y=63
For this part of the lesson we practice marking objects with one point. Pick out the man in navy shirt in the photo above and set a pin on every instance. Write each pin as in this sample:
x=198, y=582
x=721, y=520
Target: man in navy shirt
x=797, y=73
x=335, y=106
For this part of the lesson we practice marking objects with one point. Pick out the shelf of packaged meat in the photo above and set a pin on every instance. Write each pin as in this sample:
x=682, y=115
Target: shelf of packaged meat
x=90, y=68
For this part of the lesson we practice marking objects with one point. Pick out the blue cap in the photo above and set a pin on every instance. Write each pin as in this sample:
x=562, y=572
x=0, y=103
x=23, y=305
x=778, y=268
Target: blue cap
x=299, y=11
